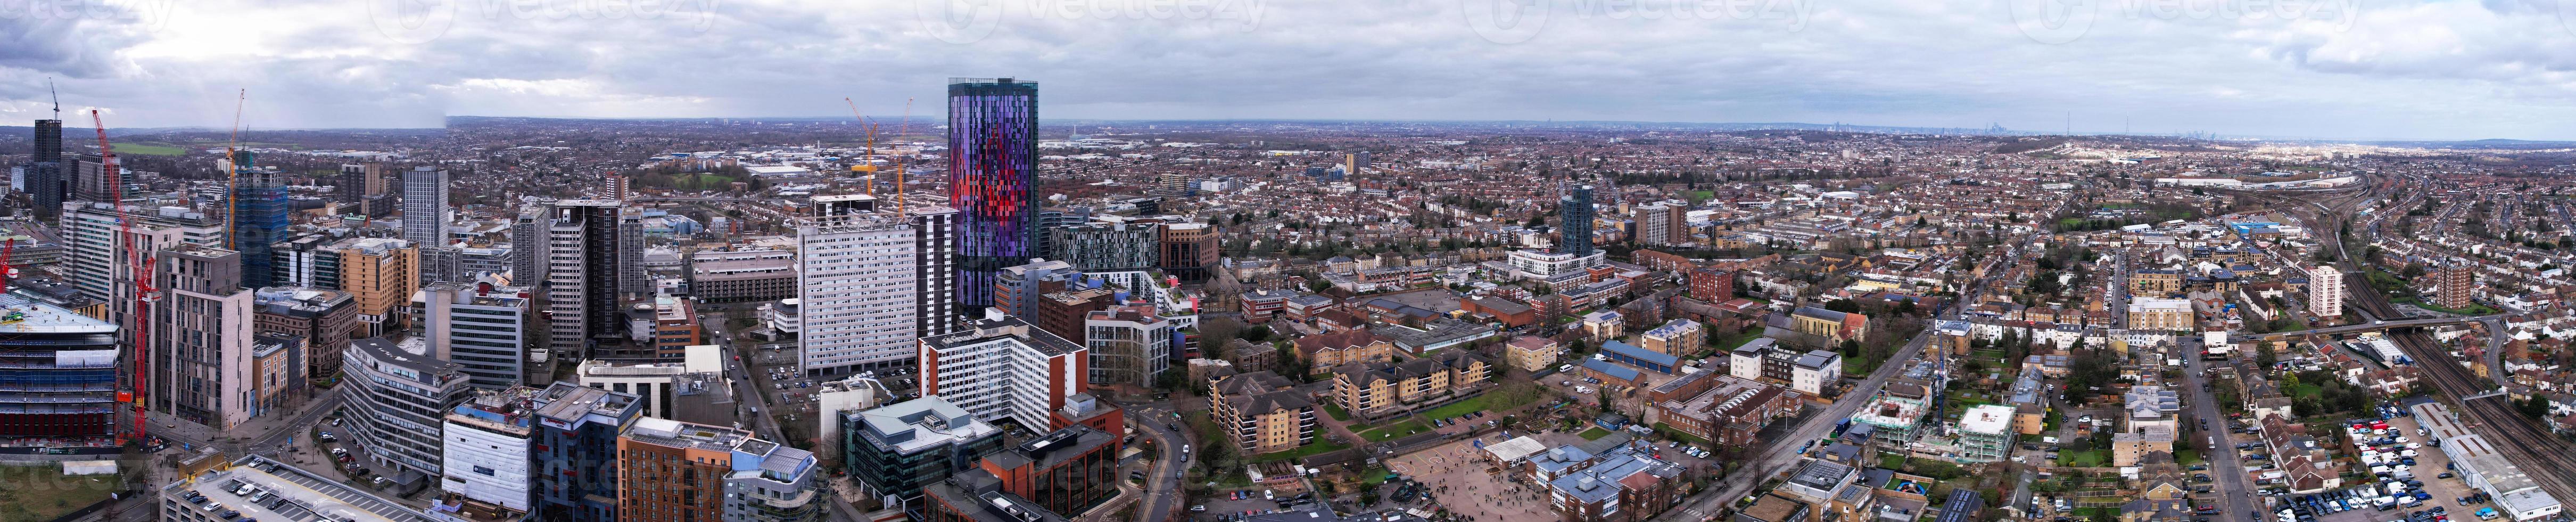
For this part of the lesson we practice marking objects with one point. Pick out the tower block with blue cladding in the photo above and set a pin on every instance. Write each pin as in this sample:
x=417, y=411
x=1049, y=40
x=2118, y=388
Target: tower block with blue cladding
x=259, y=219
x=1576, y=212
x=992, y=180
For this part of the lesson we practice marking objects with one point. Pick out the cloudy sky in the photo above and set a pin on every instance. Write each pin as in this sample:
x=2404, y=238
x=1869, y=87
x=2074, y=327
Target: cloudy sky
x=2362, y=69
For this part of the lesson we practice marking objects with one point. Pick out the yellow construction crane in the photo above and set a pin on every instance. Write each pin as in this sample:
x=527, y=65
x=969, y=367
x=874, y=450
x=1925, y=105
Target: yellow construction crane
x=868, y=159
x=232, y=170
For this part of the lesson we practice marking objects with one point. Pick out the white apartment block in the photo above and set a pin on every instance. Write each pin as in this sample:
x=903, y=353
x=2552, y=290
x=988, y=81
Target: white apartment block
x=2325, y=291
x=486, y=449
x=856, y=288
x=1003, y=367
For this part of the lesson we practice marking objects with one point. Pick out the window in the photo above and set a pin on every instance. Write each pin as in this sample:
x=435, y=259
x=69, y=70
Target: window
x=488, y=472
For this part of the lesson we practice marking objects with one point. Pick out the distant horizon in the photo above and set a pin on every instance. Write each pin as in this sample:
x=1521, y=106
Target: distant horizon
x=1857, y=128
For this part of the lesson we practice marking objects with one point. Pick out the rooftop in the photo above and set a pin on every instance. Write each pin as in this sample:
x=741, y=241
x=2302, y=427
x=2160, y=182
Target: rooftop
x=26, y=314
x=309, y=497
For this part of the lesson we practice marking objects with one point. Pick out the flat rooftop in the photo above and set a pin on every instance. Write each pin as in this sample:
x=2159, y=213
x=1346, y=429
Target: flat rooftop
x=309, y=497
x=24, y=314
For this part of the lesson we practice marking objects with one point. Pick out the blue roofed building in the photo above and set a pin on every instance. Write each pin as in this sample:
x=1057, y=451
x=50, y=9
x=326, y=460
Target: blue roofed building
x=1611, y=373
x=1640, y=357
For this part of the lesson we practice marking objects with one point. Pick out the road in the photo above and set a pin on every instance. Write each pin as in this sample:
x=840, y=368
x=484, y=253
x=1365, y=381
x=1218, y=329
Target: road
x=1775, y=459
x=2236, y=494
x=1163, y=484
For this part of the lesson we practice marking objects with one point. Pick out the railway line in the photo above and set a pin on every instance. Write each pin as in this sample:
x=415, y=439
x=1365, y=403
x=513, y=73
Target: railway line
x=2537, y=453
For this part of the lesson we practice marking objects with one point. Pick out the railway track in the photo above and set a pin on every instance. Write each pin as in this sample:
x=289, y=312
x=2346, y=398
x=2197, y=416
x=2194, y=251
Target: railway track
x=2536, y=452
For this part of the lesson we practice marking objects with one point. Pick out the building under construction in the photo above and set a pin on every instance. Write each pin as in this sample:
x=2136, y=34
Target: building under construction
x=58, y=379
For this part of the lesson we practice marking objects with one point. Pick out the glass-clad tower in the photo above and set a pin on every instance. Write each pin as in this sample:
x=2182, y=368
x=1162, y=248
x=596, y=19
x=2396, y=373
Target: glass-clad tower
x=1576, y=212
x=260, y=219
x=992, y=180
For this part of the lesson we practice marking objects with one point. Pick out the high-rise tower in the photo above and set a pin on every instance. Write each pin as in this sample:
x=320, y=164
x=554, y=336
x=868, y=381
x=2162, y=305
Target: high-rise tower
x=45, y=170
x=1576, y=212
x=259, y=218
x=992, y=180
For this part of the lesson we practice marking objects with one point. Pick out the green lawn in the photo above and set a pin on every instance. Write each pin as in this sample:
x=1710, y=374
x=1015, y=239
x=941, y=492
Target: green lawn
x=1678, y=435
x=1481, y=402
x=1335, y=410
x=2187, y=457
x=1891, y=461
x=1308, y=450
x=2305, y=390
x=1392, y=431
x=1596, y=433
x=148, y=150
x=2086, y=459
x=41, y=493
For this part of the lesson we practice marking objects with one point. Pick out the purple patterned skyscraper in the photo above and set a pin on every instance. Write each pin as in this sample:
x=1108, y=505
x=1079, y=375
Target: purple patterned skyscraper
x=992, y=181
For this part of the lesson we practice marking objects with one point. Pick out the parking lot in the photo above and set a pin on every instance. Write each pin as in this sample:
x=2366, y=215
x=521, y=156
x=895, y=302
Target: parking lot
x=2430, y=465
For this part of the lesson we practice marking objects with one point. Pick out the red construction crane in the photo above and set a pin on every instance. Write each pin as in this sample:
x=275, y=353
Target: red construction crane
x=142, y=261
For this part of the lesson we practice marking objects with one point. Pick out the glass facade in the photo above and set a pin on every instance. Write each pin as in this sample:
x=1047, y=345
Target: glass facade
x=260, y=209
x=1576, y=212
x=992, y=179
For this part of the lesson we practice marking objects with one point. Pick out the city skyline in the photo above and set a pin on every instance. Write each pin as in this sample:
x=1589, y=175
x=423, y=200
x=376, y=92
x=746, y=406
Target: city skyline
x=2328, y=69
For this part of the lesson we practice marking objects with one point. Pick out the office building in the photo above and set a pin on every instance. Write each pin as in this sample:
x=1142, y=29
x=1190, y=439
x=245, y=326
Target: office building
x=2325, y=291
x=406, y=390
x=593, y=259
x=1003, y=368
x=201, y=338
x=783, y=484
x=1018, y=289
x=300, y=495
x=380, y=273
x=424, y=206
x=93, y=178
x=856, y=284
x=1108, y=247
x=992, y=180
x=977, y=496
x=260, y=219
x=356, y=181
x=2459, y=283
x=1064, y=471
x=576, y=451
x=44, y=171
x=1130, y=345
x=484, y=329
x=1661, y=223
x=714, y=472
x=1050, y=218
x=666, y=389
x=323, y=318
x=487, y=444
x=1574, y=232
x=894, y=450
x=674, y=326
x=834, y=398
x=64, y=366
x=742, y=277
x=98, y=261
x=1189, y=250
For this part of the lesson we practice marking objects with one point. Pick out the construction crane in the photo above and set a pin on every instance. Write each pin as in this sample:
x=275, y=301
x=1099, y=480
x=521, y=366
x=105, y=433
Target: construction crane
x=141, y=262
x=868, y=159
x=58, y=98
x=232, y=170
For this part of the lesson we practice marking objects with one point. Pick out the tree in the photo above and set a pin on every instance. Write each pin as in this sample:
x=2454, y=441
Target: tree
x=2263, y=355
x=1843, y=305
